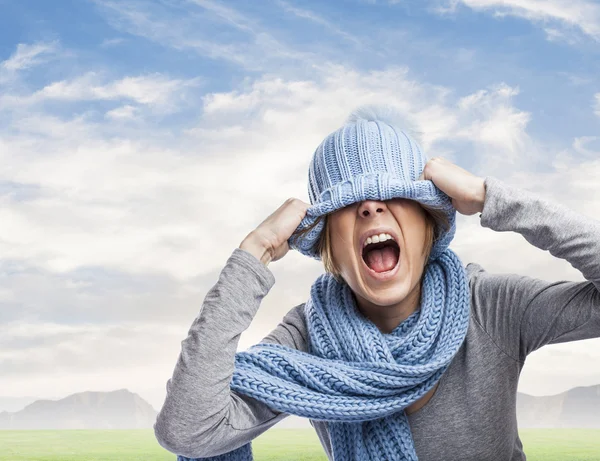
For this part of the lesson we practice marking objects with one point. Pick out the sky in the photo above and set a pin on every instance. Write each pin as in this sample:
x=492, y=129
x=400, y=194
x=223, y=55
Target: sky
x=140, y=142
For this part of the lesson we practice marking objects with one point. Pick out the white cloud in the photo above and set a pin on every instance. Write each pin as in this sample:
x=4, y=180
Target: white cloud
x=153, y=89
x=95, y=357
x=35, y=124
x=583, y=15
x=122, y=113
x=497, y=125
x=42, y=333
x=597, y=104
x=558, y=35
x=27, y=56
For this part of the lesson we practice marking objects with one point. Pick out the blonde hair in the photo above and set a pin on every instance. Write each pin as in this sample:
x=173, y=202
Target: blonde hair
x=433, y=219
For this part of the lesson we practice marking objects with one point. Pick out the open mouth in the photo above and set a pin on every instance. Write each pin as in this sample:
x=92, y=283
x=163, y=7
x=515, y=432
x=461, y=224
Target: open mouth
x=381, y=257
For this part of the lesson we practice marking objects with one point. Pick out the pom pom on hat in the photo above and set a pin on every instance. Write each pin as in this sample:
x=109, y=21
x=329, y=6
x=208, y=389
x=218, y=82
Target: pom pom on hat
x=389, y=114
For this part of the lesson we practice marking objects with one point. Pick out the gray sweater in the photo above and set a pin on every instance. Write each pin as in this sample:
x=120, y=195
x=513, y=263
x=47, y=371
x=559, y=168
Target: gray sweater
x=472, y=415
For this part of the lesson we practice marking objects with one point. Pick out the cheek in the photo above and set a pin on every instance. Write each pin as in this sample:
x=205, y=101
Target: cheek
x=342, y=243
x=416, y=245
x=341, y=231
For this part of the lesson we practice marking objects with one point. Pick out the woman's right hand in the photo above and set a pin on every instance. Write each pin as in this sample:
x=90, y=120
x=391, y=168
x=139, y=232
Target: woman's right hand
x=269, y=241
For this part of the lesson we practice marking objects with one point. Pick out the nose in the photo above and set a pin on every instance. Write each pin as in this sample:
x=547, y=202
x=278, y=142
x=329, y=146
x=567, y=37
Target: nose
x=371, y=208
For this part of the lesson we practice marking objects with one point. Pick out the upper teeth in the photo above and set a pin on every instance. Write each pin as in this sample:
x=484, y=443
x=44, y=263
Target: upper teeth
x=377, y=238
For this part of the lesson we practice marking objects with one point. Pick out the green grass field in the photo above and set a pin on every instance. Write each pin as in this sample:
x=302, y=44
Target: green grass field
x=276, y=444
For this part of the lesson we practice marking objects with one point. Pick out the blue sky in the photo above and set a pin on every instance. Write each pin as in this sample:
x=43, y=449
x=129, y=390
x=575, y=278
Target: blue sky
x=130, y=131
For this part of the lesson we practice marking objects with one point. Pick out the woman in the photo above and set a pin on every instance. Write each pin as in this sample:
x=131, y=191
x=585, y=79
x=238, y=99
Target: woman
x=400, y=352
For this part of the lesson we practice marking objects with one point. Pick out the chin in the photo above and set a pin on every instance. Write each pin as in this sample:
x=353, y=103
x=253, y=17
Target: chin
x=383, y=296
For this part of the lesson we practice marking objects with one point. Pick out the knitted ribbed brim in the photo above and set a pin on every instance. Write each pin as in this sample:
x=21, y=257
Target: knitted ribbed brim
x=369, y=157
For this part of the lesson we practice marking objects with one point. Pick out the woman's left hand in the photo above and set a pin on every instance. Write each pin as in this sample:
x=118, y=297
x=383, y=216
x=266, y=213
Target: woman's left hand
x=466, y=190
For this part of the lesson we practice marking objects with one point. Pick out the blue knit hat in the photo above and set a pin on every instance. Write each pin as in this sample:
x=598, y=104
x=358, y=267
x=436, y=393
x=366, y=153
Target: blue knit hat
x=369, y=157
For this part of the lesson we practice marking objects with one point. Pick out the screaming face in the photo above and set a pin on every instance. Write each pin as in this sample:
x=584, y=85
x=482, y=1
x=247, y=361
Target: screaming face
x=379, y=248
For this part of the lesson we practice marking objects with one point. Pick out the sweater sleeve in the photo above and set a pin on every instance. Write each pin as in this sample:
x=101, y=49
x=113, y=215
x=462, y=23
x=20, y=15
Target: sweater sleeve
x=522, y=313
x=201, y=416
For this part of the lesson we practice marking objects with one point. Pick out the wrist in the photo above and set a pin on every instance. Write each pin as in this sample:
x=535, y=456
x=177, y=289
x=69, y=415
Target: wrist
x=254, y=246
x=481, y=196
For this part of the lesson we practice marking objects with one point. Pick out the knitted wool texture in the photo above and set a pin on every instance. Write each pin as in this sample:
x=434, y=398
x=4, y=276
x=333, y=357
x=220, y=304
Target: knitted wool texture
x=354, y=377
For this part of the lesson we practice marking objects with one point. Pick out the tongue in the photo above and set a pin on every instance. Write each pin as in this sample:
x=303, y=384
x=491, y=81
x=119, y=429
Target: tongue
x=383, y=259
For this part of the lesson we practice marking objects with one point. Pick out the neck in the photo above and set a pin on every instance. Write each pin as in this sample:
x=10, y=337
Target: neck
x=387, y=318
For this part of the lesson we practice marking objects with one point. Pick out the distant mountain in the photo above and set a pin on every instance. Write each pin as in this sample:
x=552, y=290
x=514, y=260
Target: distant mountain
x=120, y=409
x=15, y=403
x=577, y=407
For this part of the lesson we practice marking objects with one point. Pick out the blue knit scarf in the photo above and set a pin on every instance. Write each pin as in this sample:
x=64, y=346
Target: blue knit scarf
x=354, y=377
